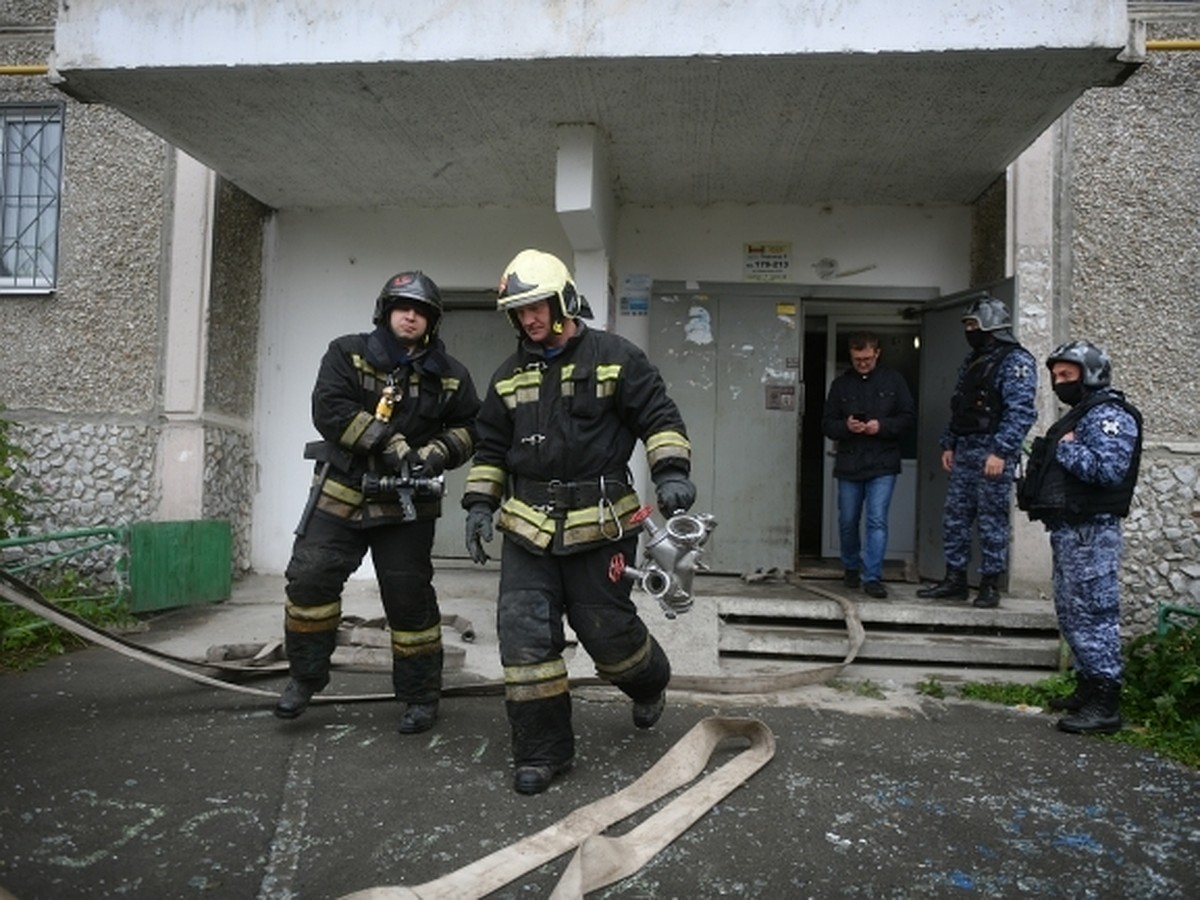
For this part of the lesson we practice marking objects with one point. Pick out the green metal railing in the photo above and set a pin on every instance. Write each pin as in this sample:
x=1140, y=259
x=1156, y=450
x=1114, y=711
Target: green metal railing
x=95, y=539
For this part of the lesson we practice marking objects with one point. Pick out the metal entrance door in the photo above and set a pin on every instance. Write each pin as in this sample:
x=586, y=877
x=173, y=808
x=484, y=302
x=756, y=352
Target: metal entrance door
x=731, y=362
x=943, y=350
x=480, y=338
x=900, y=350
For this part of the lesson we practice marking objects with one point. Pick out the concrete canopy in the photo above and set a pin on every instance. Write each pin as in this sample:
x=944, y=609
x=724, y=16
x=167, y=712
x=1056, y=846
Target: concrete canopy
x=428, y=106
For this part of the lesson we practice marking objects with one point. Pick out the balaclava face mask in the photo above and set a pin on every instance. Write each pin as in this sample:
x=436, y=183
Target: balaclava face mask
x=1069, y=392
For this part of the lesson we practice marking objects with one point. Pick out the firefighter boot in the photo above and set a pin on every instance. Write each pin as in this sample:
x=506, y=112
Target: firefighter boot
x=952, y=587
x=535, y=779
x=989, y=593
x=418, y=717
x=646, y=714
x=1100, y=713
x=295, y=698
x=1074, y=701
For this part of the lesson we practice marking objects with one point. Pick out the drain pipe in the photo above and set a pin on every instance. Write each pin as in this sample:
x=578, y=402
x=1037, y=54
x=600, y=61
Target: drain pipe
x=24, y=70
x=1178, y=44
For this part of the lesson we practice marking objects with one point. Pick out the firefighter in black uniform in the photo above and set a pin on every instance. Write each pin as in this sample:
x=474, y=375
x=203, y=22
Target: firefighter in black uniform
x=557, y=428
x=395, y=411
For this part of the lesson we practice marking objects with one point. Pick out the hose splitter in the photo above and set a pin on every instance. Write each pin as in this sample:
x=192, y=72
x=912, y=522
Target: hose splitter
x=671, y=556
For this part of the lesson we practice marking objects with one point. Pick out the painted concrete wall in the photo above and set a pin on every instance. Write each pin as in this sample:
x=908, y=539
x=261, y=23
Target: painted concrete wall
x=124, y=33
x=325, y=270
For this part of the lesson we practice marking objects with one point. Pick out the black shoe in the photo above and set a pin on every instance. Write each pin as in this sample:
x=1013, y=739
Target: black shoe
x=294, y=699
x=535, y=779
x=418, y=717
x=1100, y=713
x=850, y=578
x=874, y=589
x=952, y=587
x=646, y=714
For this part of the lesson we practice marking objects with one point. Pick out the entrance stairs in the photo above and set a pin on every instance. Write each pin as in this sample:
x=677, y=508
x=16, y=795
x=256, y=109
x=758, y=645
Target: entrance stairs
x=790, y=618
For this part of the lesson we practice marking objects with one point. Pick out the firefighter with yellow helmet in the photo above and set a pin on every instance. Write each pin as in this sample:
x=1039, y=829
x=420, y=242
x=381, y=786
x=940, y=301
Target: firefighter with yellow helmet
x=556, y=431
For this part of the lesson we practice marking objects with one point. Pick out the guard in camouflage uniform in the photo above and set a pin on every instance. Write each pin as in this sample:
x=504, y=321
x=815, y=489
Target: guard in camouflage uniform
x=390, y=404
x=1080, y=482
x=558, y=425
x=990, y=413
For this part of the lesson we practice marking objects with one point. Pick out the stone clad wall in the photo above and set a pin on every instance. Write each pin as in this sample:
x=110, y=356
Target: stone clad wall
x=83, y=475
x=229, y=468
x=1162, y=537
x=81, y=371
x=1133, y=203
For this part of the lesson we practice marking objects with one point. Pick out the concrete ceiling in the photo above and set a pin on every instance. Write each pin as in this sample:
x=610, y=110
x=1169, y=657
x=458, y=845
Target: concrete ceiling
x=917, y=128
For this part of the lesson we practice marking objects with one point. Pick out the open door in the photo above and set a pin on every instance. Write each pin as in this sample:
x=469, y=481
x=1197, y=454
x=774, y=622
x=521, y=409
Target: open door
x=942, y=351
x=900, y=346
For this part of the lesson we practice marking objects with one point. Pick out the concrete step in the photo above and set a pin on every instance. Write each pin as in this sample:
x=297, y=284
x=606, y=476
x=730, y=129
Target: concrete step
x=796, y=620
x=910, y=647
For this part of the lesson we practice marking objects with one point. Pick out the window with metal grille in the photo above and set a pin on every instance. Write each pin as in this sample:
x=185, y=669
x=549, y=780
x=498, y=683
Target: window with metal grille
x=31, y=139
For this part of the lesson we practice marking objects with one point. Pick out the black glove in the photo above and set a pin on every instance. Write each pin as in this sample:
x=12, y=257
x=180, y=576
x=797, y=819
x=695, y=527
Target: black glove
x=430, y=459
x=395, y=451
x=675, y=492
x=479, y=529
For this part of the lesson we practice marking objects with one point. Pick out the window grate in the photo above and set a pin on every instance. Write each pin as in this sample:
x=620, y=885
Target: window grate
x=31, y=144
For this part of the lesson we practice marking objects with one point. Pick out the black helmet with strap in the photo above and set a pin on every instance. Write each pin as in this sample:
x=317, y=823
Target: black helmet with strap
x=416, y=288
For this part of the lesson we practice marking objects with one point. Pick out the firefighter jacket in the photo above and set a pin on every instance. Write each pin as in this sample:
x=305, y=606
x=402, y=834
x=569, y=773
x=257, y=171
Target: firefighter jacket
x=555, y=437
x=882, y=394
x=434, y=399
x=994, y=399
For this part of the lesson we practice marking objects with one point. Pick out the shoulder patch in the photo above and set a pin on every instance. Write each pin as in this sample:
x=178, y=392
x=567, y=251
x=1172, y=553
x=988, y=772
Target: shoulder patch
x=1110, y=426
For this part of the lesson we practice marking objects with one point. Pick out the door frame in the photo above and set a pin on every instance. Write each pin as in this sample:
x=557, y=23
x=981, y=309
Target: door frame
x=830, y=541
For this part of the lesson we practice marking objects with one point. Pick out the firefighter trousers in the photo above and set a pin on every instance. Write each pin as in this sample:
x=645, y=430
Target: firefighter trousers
x=323, y=558
x=536, y=592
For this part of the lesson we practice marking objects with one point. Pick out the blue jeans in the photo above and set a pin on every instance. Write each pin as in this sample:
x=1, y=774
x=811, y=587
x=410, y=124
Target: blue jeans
x=876, y=495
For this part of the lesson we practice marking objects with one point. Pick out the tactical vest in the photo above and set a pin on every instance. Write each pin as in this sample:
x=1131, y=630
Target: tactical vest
x=1048, y=491
x=977, y=405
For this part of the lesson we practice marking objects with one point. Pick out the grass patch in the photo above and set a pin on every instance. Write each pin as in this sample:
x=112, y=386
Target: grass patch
x=27, y=640
x=932, y=688
x=864, y=688
x=1160, y=701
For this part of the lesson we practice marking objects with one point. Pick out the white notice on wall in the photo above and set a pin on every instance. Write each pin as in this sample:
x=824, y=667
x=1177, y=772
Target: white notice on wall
x=767, y=260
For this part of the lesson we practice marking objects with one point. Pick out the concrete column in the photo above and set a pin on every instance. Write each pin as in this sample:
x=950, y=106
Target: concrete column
x=586, y=208
x=181, y=441
x=1034, y=233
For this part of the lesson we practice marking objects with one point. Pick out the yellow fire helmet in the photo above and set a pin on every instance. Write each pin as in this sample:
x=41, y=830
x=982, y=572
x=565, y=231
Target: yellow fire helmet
x=534, y=275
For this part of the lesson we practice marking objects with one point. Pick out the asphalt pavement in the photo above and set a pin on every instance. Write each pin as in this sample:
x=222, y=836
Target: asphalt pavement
x=121, y=780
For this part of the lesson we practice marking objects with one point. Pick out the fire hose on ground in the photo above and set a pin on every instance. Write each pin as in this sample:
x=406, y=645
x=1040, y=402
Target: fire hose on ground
x=672, y=556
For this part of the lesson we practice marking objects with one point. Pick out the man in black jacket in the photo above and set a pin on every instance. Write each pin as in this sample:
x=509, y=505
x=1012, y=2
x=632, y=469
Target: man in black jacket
x=558, y=424
x=868, y=410
x=395, y=411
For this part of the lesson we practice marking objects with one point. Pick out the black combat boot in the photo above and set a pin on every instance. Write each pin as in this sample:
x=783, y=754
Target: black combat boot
x=952, y=587
x=1074, y=701
x=1100, y=713
x=989, y=593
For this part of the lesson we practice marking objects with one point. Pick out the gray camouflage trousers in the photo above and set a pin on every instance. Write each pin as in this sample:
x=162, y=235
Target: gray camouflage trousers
x=1087, y=561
